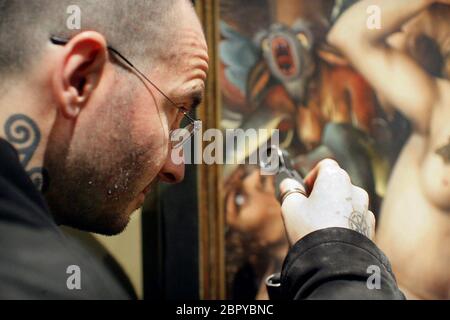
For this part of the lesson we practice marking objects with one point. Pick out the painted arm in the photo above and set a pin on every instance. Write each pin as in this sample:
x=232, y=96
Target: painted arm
x=393, y=74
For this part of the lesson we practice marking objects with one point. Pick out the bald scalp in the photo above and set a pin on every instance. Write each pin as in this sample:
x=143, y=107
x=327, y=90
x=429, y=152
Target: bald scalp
x=141, y=29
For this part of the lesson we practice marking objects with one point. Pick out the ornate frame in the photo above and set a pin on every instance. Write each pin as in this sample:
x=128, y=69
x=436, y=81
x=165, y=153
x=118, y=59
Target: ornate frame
x=210, y=195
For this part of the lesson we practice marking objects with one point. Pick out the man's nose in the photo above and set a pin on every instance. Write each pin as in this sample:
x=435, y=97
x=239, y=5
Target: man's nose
x=171, y=172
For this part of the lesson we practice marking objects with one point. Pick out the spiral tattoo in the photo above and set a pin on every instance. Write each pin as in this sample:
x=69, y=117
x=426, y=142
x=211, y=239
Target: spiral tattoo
x=22, y=132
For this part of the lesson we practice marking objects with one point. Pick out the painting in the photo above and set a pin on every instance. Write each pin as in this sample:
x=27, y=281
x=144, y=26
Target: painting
x=273, y=68
x=275, y=63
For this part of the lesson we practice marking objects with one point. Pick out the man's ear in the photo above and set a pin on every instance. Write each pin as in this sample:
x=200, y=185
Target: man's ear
x=79, y=71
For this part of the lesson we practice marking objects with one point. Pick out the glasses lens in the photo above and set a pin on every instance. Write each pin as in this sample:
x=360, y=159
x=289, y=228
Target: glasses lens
x=180, y=136
x=186, y=121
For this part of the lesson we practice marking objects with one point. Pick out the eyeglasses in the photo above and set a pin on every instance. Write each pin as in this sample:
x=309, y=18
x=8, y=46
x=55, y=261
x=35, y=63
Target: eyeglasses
x=188, y=125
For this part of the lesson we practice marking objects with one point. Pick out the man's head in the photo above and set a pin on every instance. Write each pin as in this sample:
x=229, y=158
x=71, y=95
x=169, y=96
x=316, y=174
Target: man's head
x=105, y=129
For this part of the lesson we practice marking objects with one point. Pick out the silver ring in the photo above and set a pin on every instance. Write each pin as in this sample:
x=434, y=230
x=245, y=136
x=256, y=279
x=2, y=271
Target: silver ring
x=286, y=193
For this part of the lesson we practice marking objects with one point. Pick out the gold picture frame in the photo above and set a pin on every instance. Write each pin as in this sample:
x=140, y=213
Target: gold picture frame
x=210, y=194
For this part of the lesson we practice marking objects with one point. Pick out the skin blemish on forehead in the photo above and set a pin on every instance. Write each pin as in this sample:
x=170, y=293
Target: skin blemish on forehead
x=189, y=67
x=192, y=48
x=193, y=38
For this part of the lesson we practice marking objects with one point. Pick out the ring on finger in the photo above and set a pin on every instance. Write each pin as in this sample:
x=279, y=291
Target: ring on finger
x=288, y=192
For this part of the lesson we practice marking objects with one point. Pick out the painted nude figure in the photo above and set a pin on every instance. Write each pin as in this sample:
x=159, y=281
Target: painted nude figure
x=414, y=230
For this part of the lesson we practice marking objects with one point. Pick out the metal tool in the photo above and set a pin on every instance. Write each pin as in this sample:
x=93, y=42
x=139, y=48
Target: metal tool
x=278, y=163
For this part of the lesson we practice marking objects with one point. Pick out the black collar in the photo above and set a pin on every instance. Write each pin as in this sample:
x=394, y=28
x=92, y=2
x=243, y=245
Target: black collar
x=16, y=187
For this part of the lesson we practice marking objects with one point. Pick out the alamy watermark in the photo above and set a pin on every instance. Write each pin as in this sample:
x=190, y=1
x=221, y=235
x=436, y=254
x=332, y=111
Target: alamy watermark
x=73, y=21
x=74, y=280
x=230, y=146
x=374, y=18
x=374, y=280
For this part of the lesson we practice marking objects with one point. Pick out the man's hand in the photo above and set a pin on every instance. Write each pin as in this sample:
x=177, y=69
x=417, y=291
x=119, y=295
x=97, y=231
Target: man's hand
x=333, y=202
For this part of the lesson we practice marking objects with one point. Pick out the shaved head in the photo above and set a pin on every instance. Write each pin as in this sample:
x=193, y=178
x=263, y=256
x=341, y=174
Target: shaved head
x=138, y=28
x=102, y=130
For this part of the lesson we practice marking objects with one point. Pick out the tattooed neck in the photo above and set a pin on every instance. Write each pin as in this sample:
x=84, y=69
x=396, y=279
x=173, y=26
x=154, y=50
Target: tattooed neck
x=444, y=152
x=24, y=134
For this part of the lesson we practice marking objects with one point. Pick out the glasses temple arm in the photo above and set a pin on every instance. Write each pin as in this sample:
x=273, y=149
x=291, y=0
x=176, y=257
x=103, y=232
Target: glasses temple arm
x=60, y=41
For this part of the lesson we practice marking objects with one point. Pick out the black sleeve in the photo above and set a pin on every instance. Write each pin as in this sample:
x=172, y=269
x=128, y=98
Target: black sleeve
x=333, y=264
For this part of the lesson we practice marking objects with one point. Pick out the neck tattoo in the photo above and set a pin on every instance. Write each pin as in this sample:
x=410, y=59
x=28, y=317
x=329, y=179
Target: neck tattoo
x=23, y=133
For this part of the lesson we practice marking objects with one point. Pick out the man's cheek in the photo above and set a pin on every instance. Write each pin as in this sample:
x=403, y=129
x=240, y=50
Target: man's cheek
x=160, y=139
x=157, y=158
x=151, y=136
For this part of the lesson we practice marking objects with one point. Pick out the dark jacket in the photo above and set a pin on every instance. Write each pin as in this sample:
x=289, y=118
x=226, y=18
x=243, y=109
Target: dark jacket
x=34, y=254
x=335, y=263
